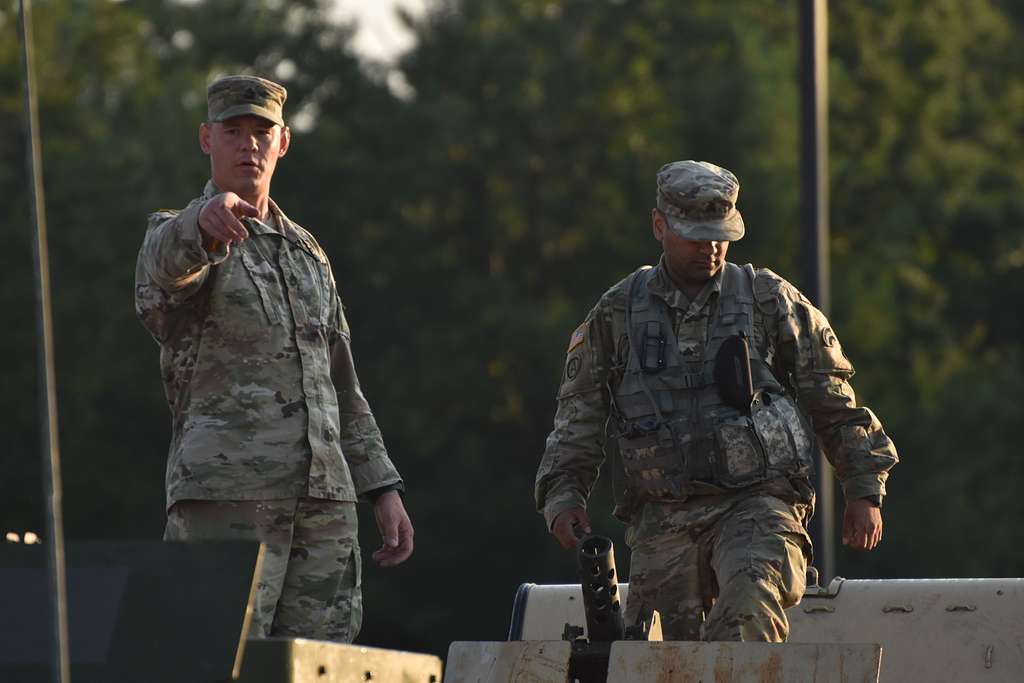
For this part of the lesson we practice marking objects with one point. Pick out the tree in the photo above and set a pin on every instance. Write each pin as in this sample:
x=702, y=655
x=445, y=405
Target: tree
x=472, y=224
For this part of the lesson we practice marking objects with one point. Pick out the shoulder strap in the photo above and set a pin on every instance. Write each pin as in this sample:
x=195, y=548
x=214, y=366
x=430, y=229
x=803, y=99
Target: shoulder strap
x=738, y=285
x=765, y=306
x=639, y=297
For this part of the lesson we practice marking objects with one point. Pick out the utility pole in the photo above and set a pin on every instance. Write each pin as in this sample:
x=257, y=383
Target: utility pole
x=61, y=668
x=815, y=230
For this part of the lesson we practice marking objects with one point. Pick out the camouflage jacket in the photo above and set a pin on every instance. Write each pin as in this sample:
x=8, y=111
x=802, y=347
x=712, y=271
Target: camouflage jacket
x=245, y=334
x=791, y=335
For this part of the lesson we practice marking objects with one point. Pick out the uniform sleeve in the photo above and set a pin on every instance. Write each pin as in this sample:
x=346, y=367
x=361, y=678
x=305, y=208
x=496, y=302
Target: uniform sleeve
x=361, y=442
x=172, y=266
x=575, y=448
x=172, y=254
x=810, y=354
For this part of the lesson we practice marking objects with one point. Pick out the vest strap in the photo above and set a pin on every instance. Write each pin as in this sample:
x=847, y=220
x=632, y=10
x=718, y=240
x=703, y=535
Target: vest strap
x=693, y=380
x=652, y=356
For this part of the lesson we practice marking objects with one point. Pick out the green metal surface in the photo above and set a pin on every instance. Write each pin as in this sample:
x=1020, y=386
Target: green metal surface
x=145, y=611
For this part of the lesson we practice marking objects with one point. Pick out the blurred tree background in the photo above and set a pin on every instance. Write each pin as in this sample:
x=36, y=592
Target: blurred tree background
x=476, y=213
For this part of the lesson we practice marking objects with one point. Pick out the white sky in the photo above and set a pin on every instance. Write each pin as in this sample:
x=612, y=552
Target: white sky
x=380, y=35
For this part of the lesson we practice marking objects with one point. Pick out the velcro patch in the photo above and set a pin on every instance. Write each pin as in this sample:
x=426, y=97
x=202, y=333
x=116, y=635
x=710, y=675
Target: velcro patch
x=578, y=337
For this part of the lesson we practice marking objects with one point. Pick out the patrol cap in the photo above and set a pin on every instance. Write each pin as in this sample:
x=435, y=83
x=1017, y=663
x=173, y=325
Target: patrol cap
x=239, y=95
x=699, y=200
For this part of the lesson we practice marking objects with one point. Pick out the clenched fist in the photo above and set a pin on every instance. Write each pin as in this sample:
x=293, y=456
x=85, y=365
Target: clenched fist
x=565, y=526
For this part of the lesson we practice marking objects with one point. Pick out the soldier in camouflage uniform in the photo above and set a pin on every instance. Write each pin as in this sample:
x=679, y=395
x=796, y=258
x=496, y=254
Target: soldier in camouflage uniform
x=715, y=489
x=272, y=439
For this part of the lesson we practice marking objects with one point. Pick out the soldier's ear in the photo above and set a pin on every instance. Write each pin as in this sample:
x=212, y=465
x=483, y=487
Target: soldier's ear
x=658, y=226
x=204, y=137
x=286, y=141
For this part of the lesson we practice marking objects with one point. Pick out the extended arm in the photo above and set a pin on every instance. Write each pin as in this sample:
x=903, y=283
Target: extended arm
x=179, y=248
x=361, y=441
x=575, y=448
x=177, y=252
x=851, y=435
x=373, y=473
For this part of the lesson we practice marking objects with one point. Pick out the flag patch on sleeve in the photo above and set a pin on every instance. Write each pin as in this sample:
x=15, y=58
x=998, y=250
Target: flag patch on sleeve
x=578, y=337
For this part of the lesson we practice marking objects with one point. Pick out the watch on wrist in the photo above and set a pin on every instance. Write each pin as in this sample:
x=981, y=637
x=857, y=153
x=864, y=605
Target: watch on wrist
x=377, y=493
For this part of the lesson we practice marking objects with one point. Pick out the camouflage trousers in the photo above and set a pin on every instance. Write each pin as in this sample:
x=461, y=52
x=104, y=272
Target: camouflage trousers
x=309, y=585
x=719, y=567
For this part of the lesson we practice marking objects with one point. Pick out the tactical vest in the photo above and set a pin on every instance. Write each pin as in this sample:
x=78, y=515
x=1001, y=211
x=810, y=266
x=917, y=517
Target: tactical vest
x=677, y=437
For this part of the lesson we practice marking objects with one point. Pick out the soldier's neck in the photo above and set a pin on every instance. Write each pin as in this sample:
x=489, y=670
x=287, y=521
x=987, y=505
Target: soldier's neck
x=261, y=200
x=689, y=288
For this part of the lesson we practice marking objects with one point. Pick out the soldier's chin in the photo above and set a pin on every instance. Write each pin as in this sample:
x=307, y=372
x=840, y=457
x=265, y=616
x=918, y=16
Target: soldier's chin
x=704, y=271
x=243, y=184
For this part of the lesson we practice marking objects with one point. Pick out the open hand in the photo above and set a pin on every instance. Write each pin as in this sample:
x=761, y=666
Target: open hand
x=862, y=525
x=395, y=530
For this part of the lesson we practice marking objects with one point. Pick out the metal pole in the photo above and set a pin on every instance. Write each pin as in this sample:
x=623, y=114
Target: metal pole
x=815, y=230
x=47, y=383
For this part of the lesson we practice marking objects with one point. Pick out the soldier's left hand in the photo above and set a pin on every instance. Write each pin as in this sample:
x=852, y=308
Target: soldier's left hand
x=395, y=530
x=862, y=525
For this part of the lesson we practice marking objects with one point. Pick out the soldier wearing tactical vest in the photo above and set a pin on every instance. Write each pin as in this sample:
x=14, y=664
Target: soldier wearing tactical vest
x=717, y=383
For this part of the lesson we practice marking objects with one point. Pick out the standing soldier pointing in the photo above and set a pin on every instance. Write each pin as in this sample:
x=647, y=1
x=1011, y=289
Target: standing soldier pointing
x=718, y=383
x=271, y=439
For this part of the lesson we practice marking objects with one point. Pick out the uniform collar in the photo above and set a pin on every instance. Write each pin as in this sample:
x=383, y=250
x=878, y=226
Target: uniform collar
x=661, y=285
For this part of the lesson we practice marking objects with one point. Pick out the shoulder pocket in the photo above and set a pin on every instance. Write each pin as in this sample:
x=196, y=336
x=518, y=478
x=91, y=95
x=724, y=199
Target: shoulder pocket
x=825, y=348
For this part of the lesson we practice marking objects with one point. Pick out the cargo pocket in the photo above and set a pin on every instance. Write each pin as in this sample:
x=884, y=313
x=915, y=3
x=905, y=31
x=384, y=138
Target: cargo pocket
x=357, y=593
x=781, y=550
x=794, y=570
x=741, y=460
x=348, y=604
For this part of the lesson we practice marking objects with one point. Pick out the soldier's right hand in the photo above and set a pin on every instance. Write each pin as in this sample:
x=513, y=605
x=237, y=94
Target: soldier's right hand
x=219, y=218
x=566, y=525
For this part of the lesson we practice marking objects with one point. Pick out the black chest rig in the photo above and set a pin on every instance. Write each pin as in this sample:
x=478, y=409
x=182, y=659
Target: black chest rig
x=678, y=436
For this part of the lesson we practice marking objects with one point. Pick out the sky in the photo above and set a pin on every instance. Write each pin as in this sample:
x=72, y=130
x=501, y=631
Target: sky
x=380, y=35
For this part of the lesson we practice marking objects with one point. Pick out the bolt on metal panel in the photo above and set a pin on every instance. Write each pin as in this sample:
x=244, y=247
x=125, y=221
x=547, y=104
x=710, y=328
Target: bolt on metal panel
x=297, y=660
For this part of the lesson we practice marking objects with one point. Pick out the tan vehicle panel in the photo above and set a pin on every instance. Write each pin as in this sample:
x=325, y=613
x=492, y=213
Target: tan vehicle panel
x=940, y=630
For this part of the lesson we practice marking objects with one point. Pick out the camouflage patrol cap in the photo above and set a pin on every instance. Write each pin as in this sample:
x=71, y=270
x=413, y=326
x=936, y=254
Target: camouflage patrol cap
x=239, y=95
x=699, y=200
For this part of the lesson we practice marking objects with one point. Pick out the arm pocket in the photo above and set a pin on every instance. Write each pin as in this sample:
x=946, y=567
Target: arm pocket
x=826, y=351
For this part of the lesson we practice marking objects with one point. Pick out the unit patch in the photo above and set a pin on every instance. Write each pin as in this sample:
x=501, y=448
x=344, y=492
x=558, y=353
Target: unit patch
x=578, y=337
x=572, y=368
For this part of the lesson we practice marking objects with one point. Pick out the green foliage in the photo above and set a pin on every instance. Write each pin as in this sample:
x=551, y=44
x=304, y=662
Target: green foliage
x=472, y=224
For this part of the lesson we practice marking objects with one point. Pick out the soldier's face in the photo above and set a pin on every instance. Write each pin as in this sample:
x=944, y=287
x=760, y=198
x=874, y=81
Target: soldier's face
x=689, y=262
x=243, y=152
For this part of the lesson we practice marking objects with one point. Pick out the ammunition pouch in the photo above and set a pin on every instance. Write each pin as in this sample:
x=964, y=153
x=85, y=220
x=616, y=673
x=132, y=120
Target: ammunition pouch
x=732, y=372
x=724, y=424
